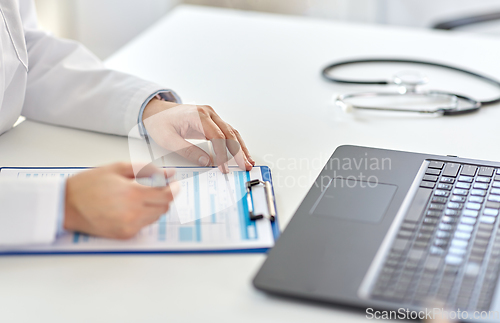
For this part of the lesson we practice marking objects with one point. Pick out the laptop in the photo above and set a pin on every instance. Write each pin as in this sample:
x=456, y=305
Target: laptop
x=385, y=230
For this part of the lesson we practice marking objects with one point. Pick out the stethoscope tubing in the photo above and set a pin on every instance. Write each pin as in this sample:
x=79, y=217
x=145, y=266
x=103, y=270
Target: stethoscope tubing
x=325, y=73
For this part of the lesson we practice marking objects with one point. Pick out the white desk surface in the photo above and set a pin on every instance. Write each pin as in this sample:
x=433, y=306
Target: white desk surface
x=261, y=73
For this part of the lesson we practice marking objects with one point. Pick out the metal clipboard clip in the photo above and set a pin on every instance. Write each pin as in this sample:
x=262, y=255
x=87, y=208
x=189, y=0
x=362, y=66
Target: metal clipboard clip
x=269, y=198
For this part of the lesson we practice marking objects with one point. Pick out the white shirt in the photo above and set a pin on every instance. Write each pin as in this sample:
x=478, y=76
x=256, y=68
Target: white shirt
x=59, y=82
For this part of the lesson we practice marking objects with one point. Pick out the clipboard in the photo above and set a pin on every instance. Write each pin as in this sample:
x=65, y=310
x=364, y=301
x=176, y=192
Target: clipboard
x=246, y=214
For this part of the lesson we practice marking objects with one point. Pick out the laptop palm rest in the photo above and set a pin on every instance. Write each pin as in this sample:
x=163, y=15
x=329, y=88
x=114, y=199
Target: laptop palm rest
x=354, y=200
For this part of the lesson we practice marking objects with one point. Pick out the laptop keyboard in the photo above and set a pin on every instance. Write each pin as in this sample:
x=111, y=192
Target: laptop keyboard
x=447, y=247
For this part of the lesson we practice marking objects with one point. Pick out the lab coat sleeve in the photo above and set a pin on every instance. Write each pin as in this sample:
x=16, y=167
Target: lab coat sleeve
x=67, y=85
x=29, y=210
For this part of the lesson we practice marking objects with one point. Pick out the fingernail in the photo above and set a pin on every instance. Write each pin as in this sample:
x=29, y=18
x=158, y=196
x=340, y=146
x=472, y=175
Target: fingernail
x=251, y=160
x=203, y=161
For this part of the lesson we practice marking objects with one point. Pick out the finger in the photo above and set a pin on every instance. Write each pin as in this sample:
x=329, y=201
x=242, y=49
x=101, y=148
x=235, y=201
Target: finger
x=190, y=151
x=152, y=214
x=218, y=139
x=159, y=196
x=232, y=143
x=147, y=170
x=244, y=147
x=122, y=168
x=169, y=172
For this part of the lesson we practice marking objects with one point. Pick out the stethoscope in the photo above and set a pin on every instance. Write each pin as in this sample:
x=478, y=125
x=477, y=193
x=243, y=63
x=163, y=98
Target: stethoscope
x=408, y=83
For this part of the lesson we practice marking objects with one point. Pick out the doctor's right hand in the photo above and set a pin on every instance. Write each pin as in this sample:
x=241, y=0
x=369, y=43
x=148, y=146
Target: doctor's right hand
x=170, y=124
x=107, y=202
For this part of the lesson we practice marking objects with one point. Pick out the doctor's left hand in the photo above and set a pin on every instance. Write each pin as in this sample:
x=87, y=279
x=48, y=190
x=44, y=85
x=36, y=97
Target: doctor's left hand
x=170, y=124
x=108, y=202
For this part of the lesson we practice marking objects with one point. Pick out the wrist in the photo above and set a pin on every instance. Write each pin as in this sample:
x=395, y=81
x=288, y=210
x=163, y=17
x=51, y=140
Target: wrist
x=155, y=106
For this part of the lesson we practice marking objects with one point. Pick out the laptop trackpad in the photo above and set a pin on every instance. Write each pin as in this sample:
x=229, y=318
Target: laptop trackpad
x=354, y=200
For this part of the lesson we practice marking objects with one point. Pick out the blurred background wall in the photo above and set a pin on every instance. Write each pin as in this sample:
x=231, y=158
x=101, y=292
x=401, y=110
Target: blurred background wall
x=106, y=25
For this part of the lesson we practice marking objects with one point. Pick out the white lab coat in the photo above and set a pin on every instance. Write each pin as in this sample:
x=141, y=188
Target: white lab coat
x=59, y=82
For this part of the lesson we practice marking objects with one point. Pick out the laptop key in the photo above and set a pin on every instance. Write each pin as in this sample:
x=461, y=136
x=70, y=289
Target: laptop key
x=449, y=180
x=427, y=228
x=441, y=243
x=471, y=213
x=487, y=219
x=427, y=184
x=459, y=191
x=477, y=192
x=455, y=205
x=495, y=190
x=436, y=164
x=468, y=220
x=431, y=178
x=433, y=171
x=445, y=227
x=430, y=220
x=434, y=214
x=492, y=205
x=451, y=212
x=451, y=169
x=483, y=186
x=432, y=263
x=409, y=226
x=458, y=198
x=448, y=219
x=457, y=251
x=463, y=185
x=486, y=171
x=421, y=244
x=439, y=199
x=476, y=199
x=467, y=179
x=459, y=243
x=399, y=244
x=418, y=204
x=494, y=198
x=444, y=186
x=441, y=193
x=483, y=179
x=436, y=250
x=443, y=234
x=468, y=170
x=465, y=228
x=490, y=212
x=453, y=260
x=405, y=234
x=485, y=227
x=462, y=235
x=473, y=206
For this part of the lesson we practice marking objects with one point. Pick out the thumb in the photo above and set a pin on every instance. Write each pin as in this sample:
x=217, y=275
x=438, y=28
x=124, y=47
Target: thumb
x=191, y=152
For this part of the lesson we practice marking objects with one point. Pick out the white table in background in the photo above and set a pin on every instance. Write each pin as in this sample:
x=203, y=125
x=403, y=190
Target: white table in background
x=261, y=73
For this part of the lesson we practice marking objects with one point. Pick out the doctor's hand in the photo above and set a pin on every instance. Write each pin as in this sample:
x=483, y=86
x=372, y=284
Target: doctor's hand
x=170, y=124
x=107, y=202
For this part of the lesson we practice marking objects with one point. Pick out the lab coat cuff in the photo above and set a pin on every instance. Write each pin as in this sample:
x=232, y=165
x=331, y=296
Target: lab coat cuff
x=31, y=209
x=167, y=95
x=62, y=206
x=138, y=103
